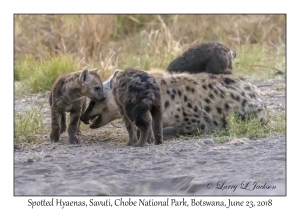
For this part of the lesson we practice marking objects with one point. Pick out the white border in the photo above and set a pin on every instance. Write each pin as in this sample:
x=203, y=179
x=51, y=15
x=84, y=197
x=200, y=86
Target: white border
x=153, y=6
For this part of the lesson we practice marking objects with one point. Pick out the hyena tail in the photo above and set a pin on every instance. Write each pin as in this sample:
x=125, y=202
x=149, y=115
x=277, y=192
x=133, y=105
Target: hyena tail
x=139, y=109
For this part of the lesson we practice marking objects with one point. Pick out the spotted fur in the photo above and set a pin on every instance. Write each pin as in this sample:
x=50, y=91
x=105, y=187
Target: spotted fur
x=68, y=94
x=138, y=99
x=192, y=103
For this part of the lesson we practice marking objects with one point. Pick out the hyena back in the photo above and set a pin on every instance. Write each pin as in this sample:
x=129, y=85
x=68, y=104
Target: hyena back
x=191, y=103
x=138, y=99
x=208, y=57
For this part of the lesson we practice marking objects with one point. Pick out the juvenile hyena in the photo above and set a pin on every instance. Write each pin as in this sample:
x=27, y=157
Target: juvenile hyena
x=138, y=99
x=208, y=57
x=68, y=94
x=191, y=103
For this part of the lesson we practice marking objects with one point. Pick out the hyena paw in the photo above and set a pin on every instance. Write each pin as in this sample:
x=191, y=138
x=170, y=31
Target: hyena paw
x=63, y=129
x=54, y=136
x=159, y=141
x=129, y=143
x=73, y=140
x=139, y=144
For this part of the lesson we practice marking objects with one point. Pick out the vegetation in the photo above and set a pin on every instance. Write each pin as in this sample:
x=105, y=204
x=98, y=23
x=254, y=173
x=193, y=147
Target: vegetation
x=251, y=128
x=39, y=75
x=28, y=126
x=47, y=45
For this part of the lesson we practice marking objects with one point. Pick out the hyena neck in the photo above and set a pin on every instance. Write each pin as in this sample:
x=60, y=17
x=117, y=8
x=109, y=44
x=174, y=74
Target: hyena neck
x=73, y=91
x=112, y=102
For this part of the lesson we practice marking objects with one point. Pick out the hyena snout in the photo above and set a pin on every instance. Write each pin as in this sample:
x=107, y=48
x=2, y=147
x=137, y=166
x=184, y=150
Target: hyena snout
x=96, y=93
x=98, y=97
x=101, y=97
x=84, y=119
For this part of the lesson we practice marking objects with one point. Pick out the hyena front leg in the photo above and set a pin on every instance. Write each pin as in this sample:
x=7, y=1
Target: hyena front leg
x=55, y=125
x=157, y=125
x=63, y=125
x=145, y=127
x=82, y=111
x=72, y=129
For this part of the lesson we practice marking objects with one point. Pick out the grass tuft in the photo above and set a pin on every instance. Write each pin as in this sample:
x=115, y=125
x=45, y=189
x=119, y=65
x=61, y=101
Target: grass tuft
x=39, y=75
x=28, y=126
x=257, y=62
x=251, y=128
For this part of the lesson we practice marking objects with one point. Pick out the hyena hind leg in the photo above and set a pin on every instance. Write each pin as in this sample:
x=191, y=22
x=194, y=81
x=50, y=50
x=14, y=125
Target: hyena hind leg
x=72, y=129
x=157, y=125
x=63, y=124
x=55, y=125
x=150, y=138
x=132, y=131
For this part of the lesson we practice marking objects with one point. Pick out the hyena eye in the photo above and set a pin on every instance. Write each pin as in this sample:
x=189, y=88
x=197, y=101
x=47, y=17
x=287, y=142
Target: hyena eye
x=97, y=88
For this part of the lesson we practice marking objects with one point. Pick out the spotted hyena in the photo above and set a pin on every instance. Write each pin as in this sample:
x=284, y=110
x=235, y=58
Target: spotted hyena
x=138, y=99
x=191, y=103
x=68, y=94
x=208, y=57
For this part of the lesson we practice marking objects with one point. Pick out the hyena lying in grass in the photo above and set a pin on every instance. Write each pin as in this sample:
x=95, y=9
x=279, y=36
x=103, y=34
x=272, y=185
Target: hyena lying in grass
x=138, y=99
x=192, y=103
x=68, y=94
x=208, y=57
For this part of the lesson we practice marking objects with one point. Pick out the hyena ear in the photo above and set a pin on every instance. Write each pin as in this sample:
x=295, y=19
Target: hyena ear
x=116, y=72
x=85, y=77
x=97, y=71
x=233, y=53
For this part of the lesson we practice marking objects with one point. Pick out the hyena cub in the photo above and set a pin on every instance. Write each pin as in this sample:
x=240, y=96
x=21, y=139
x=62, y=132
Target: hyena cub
x=208, y=57
x=138, y=99
x=68, y=94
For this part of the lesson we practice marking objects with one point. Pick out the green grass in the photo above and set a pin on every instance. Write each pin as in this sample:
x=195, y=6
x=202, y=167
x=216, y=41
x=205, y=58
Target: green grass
x=141, y=42
x=147, y=61
x=39, y=75
x=28, y=126
x=251, y=128
x=255, y=62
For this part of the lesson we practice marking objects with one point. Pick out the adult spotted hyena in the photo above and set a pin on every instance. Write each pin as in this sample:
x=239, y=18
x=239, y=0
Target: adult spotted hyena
x=191, y=103
x=138, y=99
x=208, y=57
x=68, y=94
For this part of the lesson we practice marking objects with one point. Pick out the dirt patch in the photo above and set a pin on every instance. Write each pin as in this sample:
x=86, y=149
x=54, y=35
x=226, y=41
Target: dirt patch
x=103, y=165
x=174, y=168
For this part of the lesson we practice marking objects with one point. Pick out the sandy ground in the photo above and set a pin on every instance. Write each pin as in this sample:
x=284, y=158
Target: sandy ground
x=102, y=165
